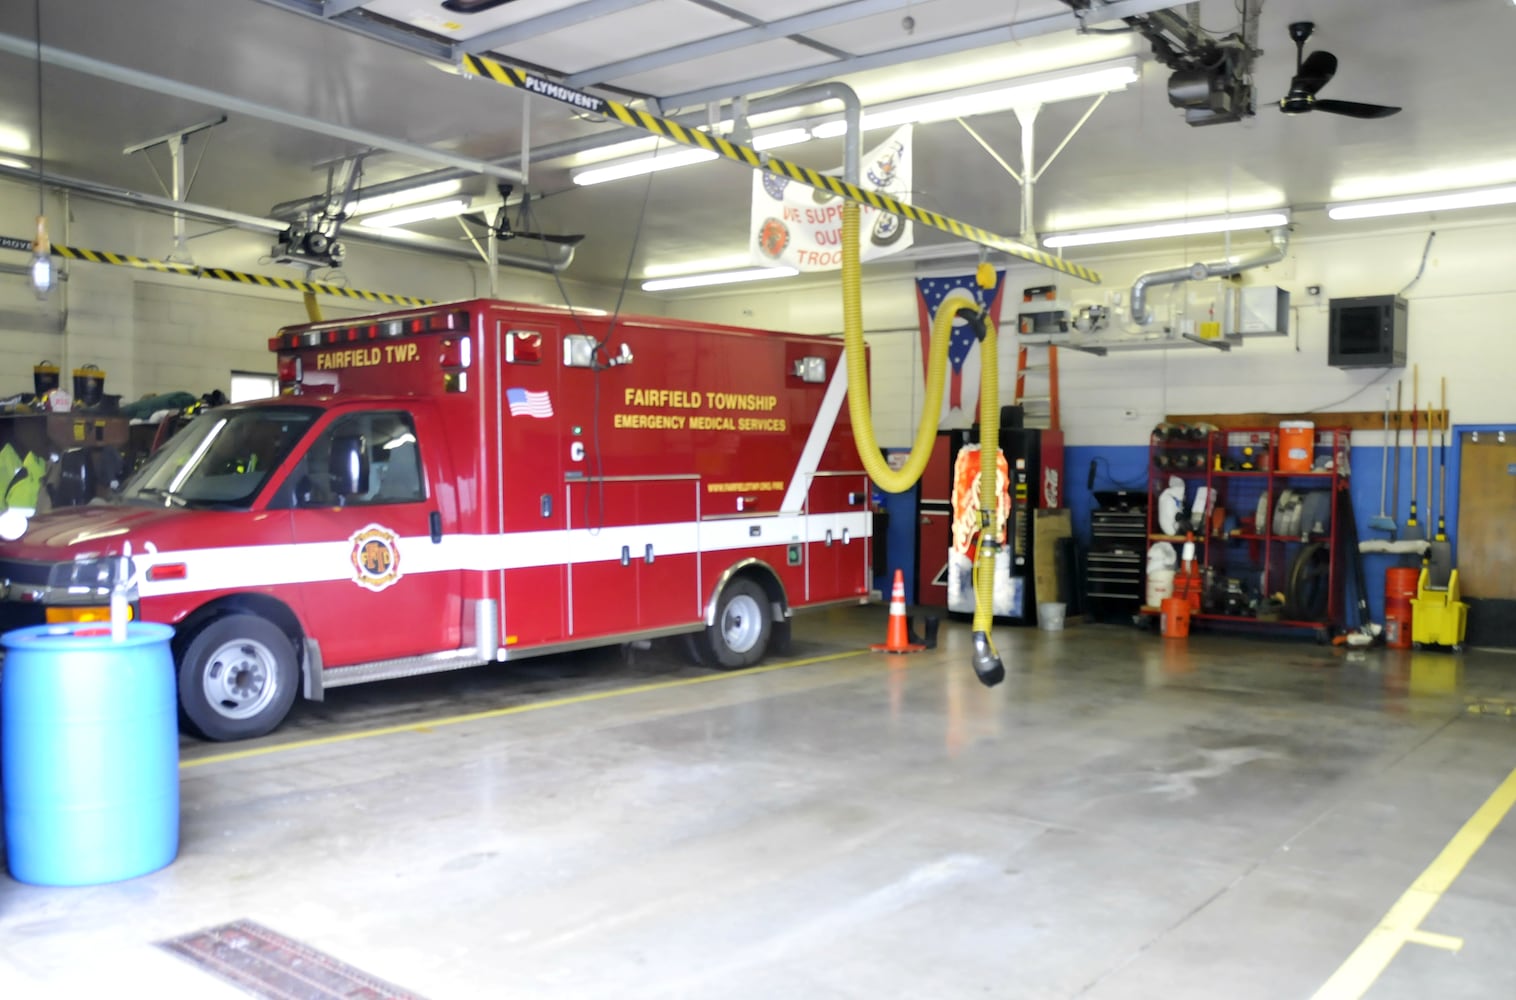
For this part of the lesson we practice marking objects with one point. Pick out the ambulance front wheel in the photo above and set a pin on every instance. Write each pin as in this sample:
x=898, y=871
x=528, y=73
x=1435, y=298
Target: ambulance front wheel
x=237, y=678
x=740, y=636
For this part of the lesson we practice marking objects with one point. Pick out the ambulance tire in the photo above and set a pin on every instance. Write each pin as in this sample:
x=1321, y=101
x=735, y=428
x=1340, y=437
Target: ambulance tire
x=740, y=636
x=238, y=678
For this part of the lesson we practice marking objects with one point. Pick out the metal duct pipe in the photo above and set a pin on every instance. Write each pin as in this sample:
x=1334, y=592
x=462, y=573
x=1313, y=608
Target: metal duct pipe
x=1200, y=271
x=557, y=258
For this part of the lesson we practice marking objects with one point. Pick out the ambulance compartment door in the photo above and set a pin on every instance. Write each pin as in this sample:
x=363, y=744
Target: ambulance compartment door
x=380, y=553
x=837, y=556
x=635, y=554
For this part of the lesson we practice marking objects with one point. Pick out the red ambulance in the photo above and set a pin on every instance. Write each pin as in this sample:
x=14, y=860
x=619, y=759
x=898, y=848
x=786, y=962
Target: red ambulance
x=461, y=484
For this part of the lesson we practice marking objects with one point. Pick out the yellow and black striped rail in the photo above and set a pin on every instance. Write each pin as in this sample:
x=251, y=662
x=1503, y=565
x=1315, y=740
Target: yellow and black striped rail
x=218, y=274
x=509, y=76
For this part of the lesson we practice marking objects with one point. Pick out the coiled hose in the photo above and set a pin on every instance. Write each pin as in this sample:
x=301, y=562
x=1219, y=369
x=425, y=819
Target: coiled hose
x=987, y=663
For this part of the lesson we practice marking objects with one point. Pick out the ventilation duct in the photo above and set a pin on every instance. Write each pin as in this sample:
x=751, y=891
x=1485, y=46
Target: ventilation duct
x=1200, y=271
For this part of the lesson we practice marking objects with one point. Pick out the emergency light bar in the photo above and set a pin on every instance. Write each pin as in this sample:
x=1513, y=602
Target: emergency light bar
x=439, y=322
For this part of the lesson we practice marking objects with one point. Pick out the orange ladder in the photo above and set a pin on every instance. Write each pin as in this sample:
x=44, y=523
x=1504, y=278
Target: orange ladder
x=1038, y=410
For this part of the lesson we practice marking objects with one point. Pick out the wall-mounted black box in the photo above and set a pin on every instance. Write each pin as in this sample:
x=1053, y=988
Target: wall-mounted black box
x=1367, y=332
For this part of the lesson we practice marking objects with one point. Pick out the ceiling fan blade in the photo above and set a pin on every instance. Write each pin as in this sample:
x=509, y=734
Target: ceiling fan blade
x=477, y=218
x=1354, y=109
x=1317, y=70
x=565, y=239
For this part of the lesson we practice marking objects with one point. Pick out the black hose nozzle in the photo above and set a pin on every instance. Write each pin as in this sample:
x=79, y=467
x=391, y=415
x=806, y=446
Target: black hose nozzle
x=986, y=661
x=974, y=317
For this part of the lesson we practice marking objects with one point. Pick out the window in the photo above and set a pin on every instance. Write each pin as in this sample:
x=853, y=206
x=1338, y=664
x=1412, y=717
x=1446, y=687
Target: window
x=223, y=457
x=388, y=460
x=253, y=385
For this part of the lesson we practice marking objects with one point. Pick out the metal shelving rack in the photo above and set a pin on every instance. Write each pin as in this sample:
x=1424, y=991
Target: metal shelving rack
x=1260, y=540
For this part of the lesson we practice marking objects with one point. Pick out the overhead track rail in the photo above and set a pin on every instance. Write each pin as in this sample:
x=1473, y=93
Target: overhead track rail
x=551, y=259
x=215, y=273
x=517, y=79
x=28, y=48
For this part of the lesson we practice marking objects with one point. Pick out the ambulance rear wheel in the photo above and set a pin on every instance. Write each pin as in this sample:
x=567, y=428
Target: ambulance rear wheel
x=740, y=636
x=237, y=678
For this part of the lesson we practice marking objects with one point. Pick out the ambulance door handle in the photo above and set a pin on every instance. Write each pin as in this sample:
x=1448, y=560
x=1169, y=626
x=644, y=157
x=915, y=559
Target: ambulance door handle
x=547, y=505
x=829, y=538
x=647, y=555
x=847, y=536
x=626, y=555
x=434, y=520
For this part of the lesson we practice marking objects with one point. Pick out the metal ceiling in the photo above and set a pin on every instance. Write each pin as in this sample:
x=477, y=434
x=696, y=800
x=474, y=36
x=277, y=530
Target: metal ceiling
x=308, y=83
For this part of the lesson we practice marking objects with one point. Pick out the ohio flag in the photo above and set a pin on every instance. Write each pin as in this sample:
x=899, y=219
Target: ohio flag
x=960, y=403
x=525, y=403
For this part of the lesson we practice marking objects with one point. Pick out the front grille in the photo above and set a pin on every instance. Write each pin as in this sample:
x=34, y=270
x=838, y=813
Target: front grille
x=26, y=571
x=14, y=615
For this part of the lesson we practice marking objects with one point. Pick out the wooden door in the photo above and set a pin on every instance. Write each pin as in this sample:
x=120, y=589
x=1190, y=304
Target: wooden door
x=1487, y=515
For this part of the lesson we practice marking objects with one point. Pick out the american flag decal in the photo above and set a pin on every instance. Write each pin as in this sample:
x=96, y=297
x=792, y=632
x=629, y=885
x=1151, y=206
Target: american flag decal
x=524, y=403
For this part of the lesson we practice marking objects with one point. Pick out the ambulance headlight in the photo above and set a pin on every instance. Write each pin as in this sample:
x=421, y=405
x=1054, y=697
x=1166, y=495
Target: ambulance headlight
x=84, y=575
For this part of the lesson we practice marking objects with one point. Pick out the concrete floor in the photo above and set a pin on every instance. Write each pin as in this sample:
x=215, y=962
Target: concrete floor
x=1125, y=817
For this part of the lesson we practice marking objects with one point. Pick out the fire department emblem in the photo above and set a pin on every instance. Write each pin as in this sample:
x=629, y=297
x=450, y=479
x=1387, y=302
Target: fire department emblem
x=375, y=557
x=773, y=237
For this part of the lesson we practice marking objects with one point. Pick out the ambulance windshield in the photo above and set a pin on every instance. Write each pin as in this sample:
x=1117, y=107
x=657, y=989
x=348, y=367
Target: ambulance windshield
x=222, y=459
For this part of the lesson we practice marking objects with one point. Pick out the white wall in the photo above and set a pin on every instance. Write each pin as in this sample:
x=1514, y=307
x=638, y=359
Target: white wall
x=1462, y=326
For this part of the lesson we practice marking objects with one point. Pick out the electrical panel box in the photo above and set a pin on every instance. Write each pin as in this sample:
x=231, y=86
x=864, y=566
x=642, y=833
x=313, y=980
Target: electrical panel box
x=1368, y=332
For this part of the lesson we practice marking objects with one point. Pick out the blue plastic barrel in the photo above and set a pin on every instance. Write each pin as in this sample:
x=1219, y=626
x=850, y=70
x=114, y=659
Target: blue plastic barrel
x=89, y=733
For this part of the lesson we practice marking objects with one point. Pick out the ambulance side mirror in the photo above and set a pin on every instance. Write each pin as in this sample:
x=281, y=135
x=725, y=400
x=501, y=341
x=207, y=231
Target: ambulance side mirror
x=349, y=465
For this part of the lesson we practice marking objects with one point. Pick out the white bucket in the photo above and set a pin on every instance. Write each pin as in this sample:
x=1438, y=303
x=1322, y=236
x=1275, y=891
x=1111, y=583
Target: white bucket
x=1160, y=585
x=1050, y=616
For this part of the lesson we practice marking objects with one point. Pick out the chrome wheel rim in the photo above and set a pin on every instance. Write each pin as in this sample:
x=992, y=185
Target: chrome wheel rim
x=240, y=678
x=741, y=623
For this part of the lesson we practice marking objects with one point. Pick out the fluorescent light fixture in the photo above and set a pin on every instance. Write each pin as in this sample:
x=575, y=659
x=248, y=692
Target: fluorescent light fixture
x=1161, y=230
x=731, y=262
x=416, y=213
x=1439, y=202
x=718, y=278
x=1041, y=88
x=410, y=196
x=15, y=140
x=784, y=137
x=667, y=160
x=642, y=165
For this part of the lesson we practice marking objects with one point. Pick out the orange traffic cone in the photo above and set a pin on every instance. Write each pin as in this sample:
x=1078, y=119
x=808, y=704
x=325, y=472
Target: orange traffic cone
x=898, y=638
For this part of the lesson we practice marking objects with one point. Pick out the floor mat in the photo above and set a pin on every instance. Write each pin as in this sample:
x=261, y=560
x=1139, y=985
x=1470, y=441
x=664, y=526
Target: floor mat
x=268, y=964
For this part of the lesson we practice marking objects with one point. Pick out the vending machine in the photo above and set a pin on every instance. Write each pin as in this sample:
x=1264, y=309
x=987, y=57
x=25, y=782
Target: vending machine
x=949, y=523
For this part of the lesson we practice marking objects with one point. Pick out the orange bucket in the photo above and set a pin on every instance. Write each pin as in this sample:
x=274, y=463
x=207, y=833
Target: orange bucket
x=1297, y=439
x=1175, y=617
x=1399, y=588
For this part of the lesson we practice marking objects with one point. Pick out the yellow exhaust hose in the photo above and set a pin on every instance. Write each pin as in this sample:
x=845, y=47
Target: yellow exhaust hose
x=884, y=477
x=987, y=663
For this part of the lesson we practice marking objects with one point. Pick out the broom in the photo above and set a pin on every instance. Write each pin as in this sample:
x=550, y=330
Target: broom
x=1383, y=521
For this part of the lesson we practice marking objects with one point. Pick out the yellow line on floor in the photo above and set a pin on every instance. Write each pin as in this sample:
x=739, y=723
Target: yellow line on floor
x=1432, y=939
x=1403, y=922
x=495, y=713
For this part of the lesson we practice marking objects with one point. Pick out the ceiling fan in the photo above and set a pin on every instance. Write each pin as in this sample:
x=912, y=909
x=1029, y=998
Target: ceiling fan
x=1314, y=72
x=501, y=225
